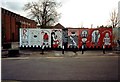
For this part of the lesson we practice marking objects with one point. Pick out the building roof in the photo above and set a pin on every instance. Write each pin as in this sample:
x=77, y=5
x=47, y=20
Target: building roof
x=7, y=11
x=57, y=26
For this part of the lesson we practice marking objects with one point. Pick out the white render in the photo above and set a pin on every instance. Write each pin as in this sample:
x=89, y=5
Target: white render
x=33, y=37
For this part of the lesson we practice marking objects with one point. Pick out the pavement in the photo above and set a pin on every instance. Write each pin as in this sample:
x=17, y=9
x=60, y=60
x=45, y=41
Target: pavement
x=23, y=54
x=55, y=53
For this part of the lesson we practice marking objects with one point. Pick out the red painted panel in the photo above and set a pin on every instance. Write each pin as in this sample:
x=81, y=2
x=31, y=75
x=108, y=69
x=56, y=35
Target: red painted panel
x=106, y=37
x=83, y=36
x=95, y=37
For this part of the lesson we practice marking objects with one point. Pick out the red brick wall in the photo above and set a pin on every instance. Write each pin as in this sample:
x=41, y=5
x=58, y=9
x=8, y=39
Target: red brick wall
x=13, y=28
x=9, y=26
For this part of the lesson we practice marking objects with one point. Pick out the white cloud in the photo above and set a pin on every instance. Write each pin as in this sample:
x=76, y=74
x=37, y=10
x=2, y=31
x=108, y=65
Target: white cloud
x=87, y=12
x=15, y=6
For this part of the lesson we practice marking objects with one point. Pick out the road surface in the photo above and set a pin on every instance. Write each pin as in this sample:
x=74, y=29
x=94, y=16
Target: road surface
x=60, y=68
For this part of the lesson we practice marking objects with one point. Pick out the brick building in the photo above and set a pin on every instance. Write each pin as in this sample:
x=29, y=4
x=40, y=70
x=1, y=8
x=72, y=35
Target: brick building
x=10, y=24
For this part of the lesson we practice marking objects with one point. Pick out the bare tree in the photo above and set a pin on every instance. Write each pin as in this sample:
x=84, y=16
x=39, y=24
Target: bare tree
x=44, y=11
x=114, y=18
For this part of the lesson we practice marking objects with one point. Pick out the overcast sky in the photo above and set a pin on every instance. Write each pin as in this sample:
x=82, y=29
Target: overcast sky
x=74, y=13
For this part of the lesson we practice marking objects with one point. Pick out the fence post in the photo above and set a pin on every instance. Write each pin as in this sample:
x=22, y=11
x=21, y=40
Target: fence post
x=82, y=49
x=62, y=49
x=103, y=49
x=43, y=49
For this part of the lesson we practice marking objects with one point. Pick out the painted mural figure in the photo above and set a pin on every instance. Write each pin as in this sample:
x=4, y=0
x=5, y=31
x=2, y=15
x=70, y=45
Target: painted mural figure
x=55, y=41
x=73, y=40
x=45, y=39
x=106, y=39
x=95, y=37
x=84, y=35
x=65, y=38
x=118, y=41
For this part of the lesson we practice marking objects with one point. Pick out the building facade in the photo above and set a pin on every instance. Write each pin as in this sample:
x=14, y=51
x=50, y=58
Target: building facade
x=10, y=24
x=119, y=13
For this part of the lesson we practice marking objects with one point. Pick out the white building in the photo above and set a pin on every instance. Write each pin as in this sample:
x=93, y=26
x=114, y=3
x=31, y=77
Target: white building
x=119, y=19
x=119, y=13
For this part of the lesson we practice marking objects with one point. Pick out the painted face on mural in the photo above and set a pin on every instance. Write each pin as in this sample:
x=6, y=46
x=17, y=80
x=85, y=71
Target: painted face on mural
x=53, y=34
x=73, y=34
x=107, y=35
x=84, y=34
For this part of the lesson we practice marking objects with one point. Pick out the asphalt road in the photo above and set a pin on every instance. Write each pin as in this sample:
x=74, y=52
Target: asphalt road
x=60, y=68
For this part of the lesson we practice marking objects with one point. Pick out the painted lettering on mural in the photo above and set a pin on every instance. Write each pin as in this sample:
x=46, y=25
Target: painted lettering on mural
x=24, y=37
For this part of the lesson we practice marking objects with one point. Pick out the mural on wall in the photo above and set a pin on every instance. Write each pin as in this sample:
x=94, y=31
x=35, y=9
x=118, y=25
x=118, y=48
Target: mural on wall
x=24, y=37
x=45, y=37
x=56, y=38
x=72, y=38
x=95, y=37
x=65, y=37
x=34, y=37
x=84, y=35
